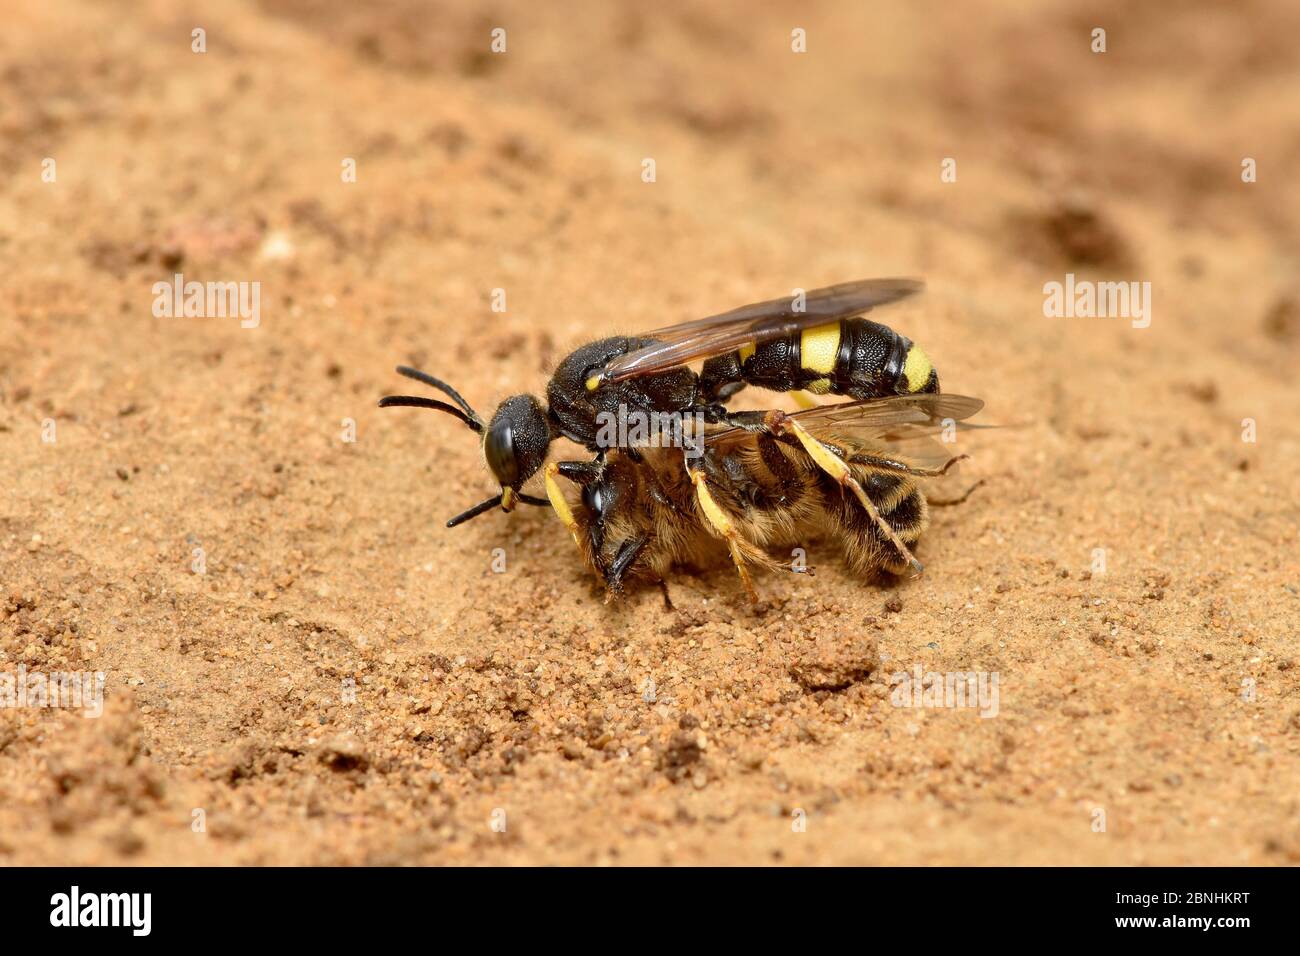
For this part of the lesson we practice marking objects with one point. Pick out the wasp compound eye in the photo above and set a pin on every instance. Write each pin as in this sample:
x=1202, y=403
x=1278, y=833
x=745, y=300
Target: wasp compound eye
x=499, y=450
x=516, y=440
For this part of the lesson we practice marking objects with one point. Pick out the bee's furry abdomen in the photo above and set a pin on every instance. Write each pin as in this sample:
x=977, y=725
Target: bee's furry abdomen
x=900, y=503
x=775, y=494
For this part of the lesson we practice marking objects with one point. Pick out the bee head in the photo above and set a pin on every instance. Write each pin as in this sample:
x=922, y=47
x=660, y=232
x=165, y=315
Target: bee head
x=514, y=442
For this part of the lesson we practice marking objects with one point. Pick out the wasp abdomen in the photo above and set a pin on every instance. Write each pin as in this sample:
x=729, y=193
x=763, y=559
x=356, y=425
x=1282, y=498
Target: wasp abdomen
x=853, y=357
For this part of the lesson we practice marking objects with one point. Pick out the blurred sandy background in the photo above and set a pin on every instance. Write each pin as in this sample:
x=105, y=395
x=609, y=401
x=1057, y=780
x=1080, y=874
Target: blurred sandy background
x=1163, y=692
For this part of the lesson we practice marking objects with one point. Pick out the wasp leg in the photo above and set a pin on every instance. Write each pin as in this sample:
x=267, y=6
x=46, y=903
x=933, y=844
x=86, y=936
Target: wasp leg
x=865, y=548
x=948, y=503
x=835, y=466
x=558, y=501
x=724, y=525
x=885, y=464
x=753, y=421
x=889, y=464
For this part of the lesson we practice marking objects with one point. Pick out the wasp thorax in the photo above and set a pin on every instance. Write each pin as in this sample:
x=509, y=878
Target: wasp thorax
x=516, y=440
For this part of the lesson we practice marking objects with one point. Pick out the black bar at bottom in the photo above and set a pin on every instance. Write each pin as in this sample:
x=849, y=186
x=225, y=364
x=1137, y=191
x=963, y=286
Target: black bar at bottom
x=335, y=906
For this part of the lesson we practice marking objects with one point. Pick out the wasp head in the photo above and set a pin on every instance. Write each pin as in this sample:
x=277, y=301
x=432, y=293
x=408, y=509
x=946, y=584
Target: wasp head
x=514, y=442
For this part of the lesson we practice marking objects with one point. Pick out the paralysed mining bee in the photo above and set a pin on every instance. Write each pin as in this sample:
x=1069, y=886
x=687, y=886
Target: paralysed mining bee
x=855, y=481
x=815, y=342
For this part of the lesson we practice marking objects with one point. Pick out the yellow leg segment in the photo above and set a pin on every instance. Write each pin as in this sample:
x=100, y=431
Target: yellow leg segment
x=724, y=526
x=837, y=468
x=558, y=502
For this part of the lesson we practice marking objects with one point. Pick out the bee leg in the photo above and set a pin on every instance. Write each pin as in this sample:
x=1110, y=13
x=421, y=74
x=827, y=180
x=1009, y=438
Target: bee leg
x=722, y=524
x=838, y=468
x=668, y=601
x=581, y=473
x=624, y=558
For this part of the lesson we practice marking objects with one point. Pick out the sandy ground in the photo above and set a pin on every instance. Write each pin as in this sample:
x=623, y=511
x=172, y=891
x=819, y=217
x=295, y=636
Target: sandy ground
x=350, y=682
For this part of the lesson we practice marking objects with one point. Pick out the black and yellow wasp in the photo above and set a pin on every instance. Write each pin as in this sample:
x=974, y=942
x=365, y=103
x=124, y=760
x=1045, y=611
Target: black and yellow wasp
x=749, y=478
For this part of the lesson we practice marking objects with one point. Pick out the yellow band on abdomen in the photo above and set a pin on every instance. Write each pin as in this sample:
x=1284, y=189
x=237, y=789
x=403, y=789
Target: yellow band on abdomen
x=819, y=347
x=917, y=368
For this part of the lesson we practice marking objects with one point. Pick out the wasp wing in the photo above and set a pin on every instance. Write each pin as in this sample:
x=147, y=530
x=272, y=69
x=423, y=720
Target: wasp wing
x=898, y=426
x=676, y=345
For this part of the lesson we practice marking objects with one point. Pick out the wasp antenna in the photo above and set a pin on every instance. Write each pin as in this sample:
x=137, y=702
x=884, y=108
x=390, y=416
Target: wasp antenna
x=415, y=401
x=478, y=509
x=440, y=385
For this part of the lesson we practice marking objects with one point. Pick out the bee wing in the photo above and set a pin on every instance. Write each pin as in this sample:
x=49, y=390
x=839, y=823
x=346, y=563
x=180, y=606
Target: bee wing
x=900, y=425
x=676, y=345
x=911, y=414
x=917, y=450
